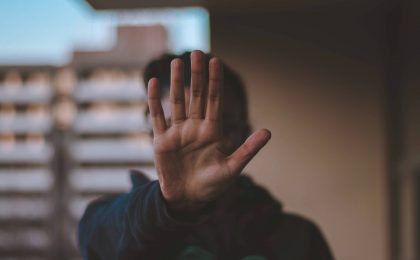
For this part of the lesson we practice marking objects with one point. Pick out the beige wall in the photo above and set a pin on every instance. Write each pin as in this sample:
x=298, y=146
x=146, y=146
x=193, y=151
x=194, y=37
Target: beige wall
x=326, y=160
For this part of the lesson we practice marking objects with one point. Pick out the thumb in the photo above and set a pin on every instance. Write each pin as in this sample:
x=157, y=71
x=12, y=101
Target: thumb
x=241, y=157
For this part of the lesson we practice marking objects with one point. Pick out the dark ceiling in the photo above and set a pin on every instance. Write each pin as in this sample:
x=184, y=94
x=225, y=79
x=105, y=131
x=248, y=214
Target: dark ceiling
x=226, y=5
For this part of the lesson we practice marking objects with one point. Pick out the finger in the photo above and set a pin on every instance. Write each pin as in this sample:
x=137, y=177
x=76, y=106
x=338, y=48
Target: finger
x=241, y=157
x=197, y=85
x=214, y=96
x=176, y=94
x=155, y=106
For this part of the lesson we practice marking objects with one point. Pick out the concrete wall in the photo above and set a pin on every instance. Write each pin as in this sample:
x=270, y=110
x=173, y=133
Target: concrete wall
x=409, y=168
x=325, y=108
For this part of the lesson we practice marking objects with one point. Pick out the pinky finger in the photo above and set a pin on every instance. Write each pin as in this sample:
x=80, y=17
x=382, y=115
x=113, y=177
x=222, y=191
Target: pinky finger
x=155, y=107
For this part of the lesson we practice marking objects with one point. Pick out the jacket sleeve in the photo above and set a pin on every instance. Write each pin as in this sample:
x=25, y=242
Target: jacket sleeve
x=135, y=225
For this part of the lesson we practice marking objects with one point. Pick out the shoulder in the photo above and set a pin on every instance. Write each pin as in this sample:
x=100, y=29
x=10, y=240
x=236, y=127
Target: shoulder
x=293, y=235
x=298, y=232
x=101, y=201
x=298, y=225
x=293, y=225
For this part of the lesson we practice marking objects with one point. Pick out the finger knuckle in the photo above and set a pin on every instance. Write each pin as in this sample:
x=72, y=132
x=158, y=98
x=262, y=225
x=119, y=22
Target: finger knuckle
x=197, y=92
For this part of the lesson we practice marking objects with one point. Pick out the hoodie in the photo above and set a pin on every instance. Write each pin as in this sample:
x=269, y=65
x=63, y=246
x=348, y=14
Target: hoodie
x=245, y=223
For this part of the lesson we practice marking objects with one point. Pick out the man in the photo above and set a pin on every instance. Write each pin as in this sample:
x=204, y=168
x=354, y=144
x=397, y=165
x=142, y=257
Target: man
x=201, y=207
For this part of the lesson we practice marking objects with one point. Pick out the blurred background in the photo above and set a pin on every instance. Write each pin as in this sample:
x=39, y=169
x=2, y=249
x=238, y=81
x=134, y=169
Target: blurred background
x=336, y=81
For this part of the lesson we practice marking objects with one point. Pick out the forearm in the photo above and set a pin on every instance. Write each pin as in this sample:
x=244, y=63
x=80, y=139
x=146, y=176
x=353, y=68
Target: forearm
x=134, y=225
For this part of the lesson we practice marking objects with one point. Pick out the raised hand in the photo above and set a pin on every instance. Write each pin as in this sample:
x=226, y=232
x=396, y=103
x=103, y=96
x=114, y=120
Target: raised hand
x=192, y=166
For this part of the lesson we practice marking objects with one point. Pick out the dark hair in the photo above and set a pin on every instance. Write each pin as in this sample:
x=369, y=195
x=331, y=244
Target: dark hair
x=235, y=117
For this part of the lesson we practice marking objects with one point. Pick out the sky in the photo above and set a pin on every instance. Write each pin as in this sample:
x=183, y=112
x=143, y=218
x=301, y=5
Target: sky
x=47, y=31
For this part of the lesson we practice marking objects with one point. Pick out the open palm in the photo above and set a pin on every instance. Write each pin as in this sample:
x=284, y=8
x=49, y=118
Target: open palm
x=192, y=166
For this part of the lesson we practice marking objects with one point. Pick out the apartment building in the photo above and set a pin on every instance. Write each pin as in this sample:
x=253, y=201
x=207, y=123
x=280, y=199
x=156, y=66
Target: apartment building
x=69, y=134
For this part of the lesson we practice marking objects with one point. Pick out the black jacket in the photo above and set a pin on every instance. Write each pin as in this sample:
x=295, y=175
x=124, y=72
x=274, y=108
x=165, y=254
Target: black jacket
x=245, y=223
